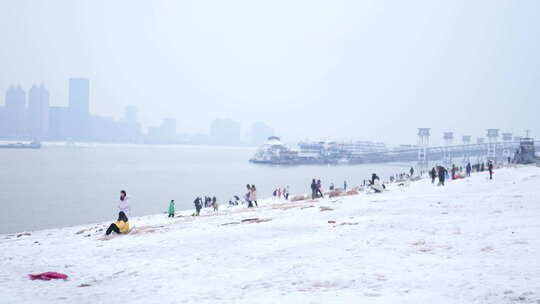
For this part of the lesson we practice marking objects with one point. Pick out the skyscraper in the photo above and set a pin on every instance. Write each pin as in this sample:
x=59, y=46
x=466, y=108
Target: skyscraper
x=38, y=111
x=59, y=123
x=79, y=106
x=15, y=112
x=79, y=93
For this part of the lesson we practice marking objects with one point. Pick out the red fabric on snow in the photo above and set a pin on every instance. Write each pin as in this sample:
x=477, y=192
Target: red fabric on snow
x=48, y=276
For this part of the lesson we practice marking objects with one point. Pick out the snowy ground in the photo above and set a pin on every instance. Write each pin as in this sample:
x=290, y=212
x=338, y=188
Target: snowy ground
x=473, y=241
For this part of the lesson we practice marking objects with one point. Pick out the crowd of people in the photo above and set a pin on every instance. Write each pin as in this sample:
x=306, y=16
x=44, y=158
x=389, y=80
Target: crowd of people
x=374, y=184
x=208, y=202
x=316, y=187
x=442, y=174
x=280, y=193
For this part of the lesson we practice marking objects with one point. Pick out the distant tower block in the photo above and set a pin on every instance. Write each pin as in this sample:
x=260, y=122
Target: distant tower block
x=507, y=145
x=466, y=148
x=423, y=143
x=448, y=139
x=492, y=135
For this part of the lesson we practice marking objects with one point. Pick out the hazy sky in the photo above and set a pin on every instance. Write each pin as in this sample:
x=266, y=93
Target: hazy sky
x=311, y=69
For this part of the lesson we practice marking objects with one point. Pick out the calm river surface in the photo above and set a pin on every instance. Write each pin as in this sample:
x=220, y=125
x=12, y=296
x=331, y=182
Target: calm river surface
x=61, y=185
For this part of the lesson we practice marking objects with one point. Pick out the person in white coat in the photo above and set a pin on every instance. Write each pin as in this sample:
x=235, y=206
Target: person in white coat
x=123, y=205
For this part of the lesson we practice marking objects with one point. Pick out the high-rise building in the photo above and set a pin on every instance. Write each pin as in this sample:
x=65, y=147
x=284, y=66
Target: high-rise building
x=79, y=94
x=15, y=112
x=59, y=123
x=103, y=129
x=38, y=112
x=79, y=106
x=259, y=132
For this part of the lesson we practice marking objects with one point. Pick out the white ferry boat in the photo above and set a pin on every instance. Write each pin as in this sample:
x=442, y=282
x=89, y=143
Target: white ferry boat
x=274, y=152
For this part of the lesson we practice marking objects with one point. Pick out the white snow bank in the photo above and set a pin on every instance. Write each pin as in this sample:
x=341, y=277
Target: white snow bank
x=473, y=241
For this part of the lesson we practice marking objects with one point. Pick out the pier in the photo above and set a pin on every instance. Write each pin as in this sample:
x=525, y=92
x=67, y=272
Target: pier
x=341, y=153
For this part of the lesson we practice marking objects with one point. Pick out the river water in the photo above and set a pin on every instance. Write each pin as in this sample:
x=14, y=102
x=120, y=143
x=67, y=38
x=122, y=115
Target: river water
x=65, y=185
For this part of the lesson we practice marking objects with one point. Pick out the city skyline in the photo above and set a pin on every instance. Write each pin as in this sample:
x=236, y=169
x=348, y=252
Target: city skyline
x=30, y=114
x=50, y=124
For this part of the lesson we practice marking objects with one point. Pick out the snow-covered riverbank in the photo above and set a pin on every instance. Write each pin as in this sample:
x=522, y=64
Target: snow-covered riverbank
x=473, y=241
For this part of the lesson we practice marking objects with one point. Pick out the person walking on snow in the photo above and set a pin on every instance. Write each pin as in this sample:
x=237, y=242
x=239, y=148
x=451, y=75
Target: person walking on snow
x=248, y=196
x=490, y=169
x=319, y=187
x=313, y=189
x=411, y=171
x=432, y=174
x=441, y=172
x=468, y=169
x=171, y=208
x=253, y=195
x=123, y=205
x=198, y=205
x=215, y=204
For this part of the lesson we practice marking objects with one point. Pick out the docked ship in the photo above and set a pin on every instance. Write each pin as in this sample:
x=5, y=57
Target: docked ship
x=274, y=152
x=33, y=145
x=335, y=152
x=327, y=152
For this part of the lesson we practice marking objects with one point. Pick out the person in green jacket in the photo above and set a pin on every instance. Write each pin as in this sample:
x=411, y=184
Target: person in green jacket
x=171, y=209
